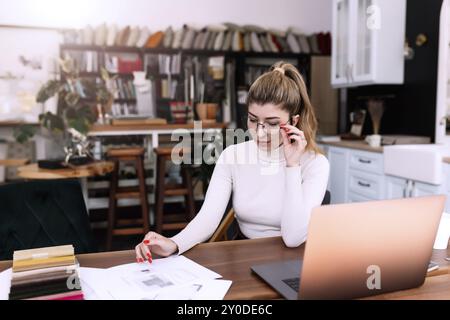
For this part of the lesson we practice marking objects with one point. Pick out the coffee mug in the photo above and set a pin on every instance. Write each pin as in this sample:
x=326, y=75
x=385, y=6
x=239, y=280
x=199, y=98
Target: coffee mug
x=374, y=140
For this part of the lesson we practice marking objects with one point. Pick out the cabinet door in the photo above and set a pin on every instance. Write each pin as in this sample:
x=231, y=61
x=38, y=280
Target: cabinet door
x=361, y=68
x=338, y=158
x=354, y=197
x=396, y=188
x=420, y=189
x=341, y=41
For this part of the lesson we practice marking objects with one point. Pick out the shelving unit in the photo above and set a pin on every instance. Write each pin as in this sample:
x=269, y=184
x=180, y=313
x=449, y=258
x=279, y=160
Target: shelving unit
x=239, y=60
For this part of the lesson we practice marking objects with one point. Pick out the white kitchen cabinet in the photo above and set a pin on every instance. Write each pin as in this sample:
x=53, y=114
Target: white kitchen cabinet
x=397, y=188
x=420, y=189
x=354, y=197
x=341, y=42
x=366, y=184
x=337, y=183
x=404, y=188
x=366, y=161
x=367, y=42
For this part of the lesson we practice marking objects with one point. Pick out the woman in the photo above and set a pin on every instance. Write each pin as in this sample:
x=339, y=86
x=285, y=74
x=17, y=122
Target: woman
x=277, y=178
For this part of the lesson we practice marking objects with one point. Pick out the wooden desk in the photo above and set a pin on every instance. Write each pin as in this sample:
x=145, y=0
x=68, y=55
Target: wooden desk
x=233, y=259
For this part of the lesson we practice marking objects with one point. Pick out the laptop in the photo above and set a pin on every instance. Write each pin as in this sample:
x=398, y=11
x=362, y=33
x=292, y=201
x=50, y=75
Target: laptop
x=360, y=249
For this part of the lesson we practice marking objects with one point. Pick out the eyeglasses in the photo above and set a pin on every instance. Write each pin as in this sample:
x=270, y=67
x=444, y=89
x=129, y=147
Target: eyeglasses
x=268, y=127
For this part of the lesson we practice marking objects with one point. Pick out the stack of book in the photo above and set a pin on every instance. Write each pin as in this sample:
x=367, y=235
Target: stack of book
x=181, y=112
x=123, y=89
x=45, y=274
x=84, y=61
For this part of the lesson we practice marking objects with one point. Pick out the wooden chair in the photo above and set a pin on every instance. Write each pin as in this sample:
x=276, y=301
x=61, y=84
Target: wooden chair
x=221, y=233
x=179, y=220
x=135, y=155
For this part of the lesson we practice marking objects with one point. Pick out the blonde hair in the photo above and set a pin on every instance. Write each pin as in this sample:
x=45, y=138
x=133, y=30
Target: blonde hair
x=284, y=86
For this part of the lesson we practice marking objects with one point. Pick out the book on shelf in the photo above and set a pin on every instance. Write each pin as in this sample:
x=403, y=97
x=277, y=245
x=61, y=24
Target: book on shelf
x=123, y=89
x=169, y=64
x=181, y=112
x=84, y=61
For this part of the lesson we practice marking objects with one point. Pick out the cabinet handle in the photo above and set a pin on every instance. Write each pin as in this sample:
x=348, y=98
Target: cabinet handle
x=351, y=73
x=408, y=189
x=364, y=161
x=365, y=185
x=411, y=190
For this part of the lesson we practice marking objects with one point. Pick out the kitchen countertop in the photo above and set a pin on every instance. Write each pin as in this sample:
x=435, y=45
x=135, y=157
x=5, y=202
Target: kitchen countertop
x=362, y=145
x=353, y=144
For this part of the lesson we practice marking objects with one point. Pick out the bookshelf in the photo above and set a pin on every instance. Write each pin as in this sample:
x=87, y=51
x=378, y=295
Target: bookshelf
x=239, y=64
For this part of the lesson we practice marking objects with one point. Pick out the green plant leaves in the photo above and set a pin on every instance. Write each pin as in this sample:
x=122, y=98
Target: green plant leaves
x=80, y=118
x=24, y=132
x=48, y=90
x=52, y=122
x=72, y=99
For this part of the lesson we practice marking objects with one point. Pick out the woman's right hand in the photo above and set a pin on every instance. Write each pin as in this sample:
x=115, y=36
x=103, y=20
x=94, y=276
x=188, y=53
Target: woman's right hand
x=154, y=243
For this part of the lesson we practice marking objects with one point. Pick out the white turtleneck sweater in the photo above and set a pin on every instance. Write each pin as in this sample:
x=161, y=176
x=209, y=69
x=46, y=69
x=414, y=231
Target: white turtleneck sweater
x=269, y=198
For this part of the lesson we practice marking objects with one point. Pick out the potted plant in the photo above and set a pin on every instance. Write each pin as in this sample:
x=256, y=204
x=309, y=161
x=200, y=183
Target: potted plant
x=80, y=102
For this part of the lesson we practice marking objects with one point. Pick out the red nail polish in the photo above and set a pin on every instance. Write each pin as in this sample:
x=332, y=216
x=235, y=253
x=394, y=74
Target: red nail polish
x=146, y=241
x=140, y=260
x=149, y=255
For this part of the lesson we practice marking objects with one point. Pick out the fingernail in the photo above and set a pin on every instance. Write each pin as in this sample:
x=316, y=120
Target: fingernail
x=149, y=255
x=140, y=260
x=146, y=241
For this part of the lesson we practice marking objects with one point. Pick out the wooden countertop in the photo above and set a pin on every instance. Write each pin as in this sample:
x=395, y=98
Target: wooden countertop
x=233, y=259
x=362, y=145
x=353, y=144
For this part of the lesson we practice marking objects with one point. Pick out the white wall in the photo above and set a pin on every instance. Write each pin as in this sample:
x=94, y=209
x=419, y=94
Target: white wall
x=308, y=15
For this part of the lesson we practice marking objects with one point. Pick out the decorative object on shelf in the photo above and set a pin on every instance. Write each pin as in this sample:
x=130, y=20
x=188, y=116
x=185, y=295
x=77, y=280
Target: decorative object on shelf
x=78, y=152
x=357, y=119
x=145, y=95
x=207, y=112
x=376, y=110
x=77, y=99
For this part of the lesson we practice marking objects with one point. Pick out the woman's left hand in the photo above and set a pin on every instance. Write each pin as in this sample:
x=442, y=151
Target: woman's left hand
x=293, y=150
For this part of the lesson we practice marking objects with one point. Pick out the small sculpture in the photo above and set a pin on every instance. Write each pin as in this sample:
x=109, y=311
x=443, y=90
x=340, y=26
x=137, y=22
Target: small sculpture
x=80, y=147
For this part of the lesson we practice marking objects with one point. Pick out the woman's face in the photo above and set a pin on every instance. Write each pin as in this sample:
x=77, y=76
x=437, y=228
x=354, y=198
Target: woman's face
x=272, y=116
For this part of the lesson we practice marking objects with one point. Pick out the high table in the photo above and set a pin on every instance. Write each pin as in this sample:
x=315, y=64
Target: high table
x=33, y=172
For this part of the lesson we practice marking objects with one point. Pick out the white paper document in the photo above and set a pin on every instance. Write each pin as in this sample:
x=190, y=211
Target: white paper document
x=175, y=277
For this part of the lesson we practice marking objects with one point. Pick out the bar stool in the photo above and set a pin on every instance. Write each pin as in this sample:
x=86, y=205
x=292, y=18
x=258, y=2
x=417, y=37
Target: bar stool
x=135, y=155
x=173, y=221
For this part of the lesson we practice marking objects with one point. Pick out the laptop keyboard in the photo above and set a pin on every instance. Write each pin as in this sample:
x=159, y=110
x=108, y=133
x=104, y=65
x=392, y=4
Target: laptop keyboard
x=293, y=283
